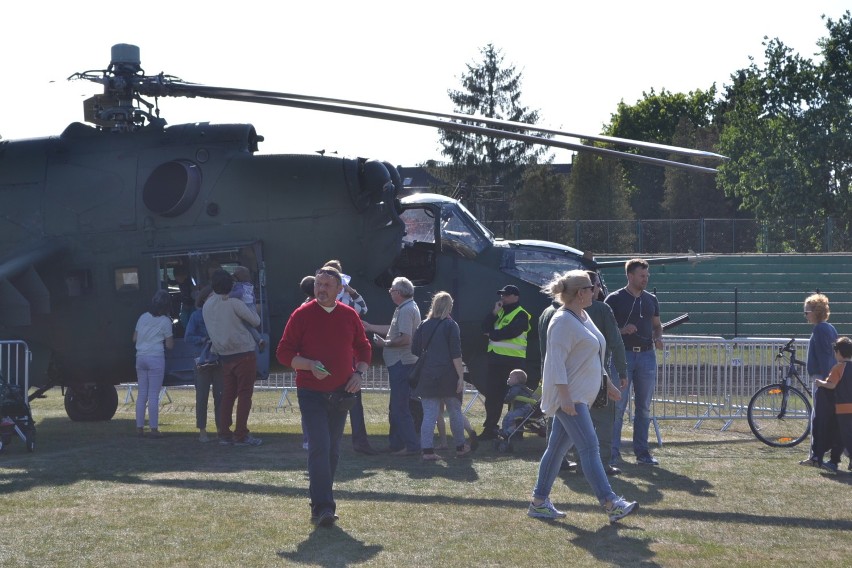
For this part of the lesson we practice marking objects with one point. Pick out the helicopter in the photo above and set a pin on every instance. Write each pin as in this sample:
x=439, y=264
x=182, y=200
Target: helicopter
x=95, y=220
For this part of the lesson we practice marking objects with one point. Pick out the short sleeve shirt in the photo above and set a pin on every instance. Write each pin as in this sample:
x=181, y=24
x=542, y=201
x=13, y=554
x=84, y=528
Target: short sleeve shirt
x=640, y=311
x=405, y=320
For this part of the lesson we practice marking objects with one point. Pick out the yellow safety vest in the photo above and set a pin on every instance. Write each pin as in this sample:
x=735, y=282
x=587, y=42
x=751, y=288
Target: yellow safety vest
x=516, y=346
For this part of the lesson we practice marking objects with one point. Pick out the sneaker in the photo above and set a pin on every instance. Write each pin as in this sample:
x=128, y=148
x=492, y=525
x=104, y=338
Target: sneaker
x=810, y=462
x=463, y=451
x=430, y=457
x=545, y=511
x=226, y=442
x=304, y=446
x=830, y=466
x=325, y=519
x=612, y=470
x=620, y=508
x=568, y=465
x=248, y=441
x=202, y=436
x=405, y=452
x=647, y=459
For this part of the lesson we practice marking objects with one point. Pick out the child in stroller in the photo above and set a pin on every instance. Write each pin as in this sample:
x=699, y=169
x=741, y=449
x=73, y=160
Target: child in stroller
x=15, y=416
x=524, y=412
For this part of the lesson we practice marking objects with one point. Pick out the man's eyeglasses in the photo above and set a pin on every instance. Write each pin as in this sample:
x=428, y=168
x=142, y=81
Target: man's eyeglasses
x=592, y=287
x=392, y=290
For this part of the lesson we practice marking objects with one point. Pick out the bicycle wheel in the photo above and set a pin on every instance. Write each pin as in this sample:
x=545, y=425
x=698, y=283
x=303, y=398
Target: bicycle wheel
x=779, y=416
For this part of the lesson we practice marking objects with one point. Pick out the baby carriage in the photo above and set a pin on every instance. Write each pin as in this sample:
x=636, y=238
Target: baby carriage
x=524, y=415
x=15, y=416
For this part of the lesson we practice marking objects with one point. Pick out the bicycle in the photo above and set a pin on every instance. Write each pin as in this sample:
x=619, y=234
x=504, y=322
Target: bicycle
x=779, y=414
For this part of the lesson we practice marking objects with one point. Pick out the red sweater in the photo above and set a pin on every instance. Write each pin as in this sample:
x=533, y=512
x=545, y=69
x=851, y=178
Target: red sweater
x=336, y=339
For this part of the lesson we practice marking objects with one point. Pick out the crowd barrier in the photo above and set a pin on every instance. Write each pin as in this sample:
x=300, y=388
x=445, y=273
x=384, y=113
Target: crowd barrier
x=698, y=378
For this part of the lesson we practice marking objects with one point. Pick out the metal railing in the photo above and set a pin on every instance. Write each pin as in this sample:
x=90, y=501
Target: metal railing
x=15, y=357
x=698, y=378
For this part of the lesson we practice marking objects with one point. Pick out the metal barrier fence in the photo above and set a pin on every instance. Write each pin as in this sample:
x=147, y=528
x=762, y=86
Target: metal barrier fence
x=15, y=356
x=698, y=378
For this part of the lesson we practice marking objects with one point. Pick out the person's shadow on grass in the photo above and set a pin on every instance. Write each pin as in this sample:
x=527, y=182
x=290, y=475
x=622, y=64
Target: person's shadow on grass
x=331, y=547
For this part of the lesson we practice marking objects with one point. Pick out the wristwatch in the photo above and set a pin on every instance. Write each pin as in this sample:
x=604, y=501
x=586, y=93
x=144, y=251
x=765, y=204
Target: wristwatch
x=360, y=373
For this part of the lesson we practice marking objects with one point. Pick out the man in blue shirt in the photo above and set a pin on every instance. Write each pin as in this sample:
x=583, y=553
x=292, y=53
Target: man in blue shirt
x=637, y=314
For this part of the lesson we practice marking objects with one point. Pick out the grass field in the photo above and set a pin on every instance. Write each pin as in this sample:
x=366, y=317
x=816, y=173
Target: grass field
x=93, y=494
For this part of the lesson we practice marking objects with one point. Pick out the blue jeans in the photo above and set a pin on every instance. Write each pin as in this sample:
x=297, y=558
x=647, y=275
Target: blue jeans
x=566, y=432
x=402, y=434
x=204, y=379
x=323, y=427
x=359, y=427
x=642, y=374
x=430, y=416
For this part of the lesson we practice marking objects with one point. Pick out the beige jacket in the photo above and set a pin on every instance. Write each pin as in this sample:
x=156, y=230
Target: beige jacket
x=224, y=318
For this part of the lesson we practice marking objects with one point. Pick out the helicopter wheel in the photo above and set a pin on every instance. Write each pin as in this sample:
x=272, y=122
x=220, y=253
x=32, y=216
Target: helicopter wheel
x=87, y=404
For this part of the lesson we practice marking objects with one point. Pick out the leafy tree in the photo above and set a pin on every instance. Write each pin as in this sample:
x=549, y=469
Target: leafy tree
x=596, y=189
x=491, y=89
x=787, y=127
x=655, y=118
x=695, y=195
x=543, y=194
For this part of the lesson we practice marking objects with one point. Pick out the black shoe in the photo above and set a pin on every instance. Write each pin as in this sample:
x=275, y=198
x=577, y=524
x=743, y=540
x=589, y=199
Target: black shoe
x=568, y=465
x=366, y=449
x=612, y=470
x=488, y=434
x=325, y=519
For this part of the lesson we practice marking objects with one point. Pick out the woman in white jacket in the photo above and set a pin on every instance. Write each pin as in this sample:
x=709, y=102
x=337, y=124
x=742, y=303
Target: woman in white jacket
x=572, y=377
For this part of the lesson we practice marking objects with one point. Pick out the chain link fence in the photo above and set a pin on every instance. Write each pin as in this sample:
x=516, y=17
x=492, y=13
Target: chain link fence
x=711, y=236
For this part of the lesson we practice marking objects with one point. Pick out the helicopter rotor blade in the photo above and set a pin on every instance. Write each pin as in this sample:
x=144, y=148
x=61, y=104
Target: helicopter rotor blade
x=677, y=150
x=376, y=112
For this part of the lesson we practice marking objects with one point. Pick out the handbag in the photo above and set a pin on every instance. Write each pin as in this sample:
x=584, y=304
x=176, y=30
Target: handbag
x=207, y=358
x=417, y=370
x=603, y=394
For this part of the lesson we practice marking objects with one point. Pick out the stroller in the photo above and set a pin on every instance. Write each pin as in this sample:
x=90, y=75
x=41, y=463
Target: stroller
x=15, y=416
x=524, y=415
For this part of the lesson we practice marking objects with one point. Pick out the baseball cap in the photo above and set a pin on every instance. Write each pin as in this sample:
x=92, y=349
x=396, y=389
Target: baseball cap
x=509, y=290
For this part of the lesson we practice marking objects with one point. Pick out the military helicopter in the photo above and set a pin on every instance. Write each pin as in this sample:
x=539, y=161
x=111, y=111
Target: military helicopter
x=95, y=220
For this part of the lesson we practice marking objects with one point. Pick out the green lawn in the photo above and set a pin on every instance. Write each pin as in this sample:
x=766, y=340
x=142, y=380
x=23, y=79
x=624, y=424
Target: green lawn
x=93, y=494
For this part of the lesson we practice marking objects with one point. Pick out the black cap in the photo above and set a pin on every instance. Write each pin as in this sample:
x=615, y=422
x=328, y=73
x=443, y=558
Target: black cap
x=507, y=290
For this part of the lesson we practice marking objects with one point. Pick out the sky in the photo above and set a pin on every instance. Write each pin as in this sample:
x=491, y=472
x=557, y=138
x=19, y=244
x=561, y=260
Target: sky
x=578, y=59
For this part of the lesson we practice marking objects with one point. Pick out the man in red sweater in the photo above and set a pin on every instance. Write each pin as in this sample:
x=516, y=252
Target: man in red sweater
x=321, y=341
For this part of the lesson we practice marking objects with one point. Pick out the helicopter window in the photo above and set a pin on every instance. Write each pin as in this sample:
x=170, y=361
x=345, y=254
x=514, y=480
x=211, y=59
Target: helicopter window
x=127, y=279
x=461, y=232
x=535, y=266
x=419, y=226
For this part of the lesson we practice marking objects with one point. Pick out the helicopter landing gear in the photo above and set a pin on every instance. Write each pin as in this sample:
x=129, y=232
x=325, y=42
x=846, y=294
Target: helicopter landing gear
x=91, y=402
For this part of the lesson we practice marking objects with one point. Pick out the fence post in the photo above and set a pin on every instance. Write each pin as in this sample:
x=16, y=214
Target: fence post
x=736, y=311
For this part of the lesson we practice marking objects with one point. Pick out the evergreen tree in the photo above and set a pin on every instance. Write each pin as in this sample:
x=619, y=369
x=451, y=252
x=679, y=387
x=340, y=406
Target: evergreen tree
x=493, y=90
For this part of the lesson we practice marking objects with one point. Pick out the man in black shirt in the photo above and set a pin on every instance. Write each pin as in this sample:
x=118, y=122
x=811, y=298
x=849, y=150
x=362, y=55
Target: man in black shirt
x=637, y=314
x=506, y=326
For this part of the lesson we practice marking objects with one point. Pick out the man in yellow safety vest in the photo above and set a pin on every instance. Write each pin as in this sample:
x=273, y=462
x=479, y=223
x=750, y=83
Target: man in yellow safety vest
x=506, y=326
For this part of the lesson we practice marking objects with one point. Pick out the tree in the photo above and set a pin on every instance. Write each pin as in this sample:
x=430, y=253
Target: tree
x=596, y=191
x=490, y=89
x=655, y=118
x=788, y=129
x=695, y=195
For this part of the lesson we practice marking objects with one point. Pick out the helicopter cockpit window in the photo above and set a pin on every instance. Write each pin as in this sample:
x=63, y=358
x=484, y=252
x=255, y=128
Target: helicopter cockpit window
x=536, y=266
x=461, y=232
x=127, y=279
x=419, y=226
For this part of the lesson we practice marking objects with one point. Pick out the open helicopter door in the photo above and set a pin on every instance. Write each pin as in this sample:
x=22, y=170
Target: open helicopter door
x=184, y=273
x=418, y=258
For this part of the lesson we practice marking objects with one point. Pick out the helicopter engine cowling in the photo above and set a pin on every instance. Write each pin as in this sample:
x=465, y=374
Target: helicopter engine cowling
x=172, y=188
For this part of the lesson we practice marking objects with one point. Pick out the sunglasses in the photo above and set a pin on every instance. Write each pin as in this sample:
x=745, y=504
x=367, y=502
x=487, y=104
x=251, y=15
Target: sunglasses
x=328, y=273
